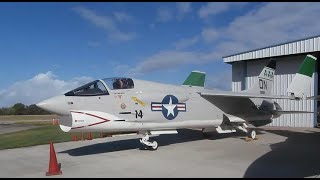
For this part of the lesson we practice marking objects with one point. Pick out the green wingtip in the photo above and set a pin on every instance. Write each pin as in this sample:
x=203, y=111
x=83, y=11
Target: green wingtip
x=196, y=78
x=308, y=65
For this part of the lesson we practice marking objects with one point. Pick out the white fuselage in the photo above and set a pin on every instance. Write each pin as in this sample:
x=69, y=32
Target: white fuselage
x=147, y=106
x=126, y=104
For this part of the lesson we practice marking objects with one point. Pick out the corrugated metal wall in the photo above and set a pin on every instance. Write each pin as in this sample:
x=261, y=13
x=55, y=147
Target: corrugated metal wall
x=296, y=47
x=238, y=75
x=287, y=66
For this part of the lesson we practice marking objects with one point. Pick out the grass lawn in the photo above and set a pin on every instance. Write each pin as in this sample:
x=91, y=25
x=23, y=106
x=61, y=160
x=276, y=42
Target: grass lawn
x=37, y=136
x=28, y=117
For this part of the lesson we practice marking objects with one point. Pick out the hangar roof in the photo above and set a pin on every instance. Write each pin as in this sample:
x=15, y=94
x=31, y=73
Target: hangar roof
x=305, y=45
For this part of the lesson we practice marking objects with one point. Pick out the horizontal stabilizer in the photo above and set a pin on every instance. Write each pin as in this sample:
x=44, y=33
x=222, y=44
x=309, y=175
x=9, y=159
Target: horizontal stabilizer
x=313, y=98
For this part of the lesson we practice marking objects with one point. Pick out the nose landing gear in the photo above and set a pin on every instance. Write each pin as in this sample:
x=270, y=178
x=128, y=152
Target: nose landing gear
x=145, y=141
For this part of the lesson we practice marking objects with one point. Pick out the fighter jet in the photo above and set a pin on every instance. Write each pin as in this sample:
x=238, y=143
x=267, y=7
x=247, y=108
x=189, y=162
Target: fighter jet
x=122, y=104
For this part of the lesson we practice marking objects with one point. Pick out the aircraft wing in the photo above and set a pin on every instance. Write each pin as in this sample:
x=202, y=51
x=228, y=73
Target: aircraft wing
x=244, y=95
x=230, y=103
x=238, y=103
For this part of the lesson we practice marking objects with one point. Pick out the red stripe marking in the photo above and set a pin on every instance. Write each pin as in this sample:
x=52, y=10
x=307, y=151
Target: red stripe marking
x=97, y=123
x=156, y=106
x=89, y=125
x=104, y=120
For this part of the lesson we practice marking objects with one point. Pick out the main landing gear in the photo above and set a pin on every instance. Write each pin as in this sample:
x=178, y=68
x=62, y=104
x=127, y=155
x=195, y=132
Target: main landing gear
x=251, y=133
x=145, y=141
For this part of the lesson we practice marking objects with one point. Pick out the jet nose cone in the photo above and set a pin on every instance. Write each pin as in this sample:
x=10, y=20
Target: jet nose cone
x=57, y=105
x=42, y=104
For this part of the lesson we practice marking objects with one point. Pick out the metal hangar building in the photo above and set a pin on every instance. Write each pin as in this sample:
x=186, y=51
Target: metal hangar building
x=246, y=66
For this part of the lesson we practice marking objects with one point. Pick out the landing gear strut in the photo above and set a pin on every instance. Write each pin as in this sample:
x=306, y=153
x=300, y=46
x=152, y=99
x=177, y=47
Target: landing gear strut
x=145, y=141
x=250, y=132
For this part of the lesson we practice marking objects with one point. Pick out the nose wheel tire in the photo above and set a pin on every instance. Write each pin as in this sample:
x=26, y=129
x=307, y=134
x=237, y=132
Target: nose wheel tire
x=154, y=145
x=252, y=134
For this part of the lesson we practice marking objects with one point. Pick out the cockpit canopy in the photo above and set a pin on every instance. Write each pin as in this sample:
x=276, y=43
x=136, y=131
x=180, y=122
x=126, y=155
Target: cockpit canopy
x=97, y=87
x=119, y=83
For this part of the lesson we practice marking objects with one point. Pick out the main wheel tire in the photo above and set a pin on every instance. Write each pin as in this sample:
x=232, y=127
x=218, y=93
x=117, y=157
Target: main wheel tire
x=252, y=134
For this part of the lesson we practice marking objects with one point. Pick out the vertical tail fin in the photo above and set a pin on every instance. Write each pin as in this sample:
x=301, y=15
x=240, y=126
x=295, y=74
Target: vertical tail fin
x=265, y=80
x=196, y=78
x=301, y=81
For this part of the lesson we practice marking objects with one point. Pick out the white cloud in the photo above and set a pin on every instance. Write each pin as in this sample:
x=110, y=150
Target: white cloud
x=105, y=22
x=272, y=23
x=269, y=24
x=171, y=59
x=209, y=34
x=187, y=42
x=183, y=8
x=214, y=8
x=123, y=17
x=164, y=15
x=167, y=14
x=38, y=88
x=163, y=60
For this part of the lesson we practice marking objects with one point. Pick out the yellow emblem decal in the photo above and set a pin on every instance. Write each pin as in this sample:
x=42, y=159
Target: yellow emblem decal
x=135, y=99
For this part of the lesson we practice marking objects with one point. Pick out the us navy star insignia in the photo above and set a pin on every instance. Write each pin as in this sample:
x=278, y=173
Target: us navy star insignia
x=169, y=106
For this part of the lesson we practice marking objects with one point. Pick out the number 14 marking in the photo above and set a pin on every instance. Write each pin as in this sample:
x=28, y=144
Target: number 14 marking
x=139, y=114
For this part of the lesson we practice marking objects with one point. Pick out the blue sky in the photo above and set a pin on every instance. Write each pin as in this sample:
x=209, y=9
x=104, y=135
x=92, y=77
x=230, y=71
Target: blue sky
x=49, y=48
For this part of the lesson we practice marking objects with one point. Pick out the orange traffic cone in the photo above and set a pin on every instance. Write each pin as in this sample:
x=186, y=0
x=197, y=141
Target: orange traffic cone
x=54, y=168
x=55, y=121
x=89, y=136
x=82, y=138
x=75, y=138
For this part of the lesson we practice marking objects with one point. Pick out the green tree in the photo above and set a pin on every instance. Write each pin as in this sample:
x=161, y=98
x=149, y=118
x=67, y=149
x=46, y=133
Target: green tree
x=35, y=110
x=19, y=109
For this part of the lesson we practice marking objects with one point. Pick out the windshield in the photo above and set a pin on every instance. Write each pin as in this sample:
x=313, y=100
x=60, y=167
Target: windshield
x=119, y=83
x=94, y=88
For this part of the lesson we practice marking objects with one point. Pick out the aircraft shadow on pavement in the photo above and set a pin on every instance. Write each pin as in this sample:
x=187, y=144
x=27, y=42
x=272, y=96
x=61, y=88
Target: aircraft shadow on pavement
x=298, y=156
x=184, y=135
